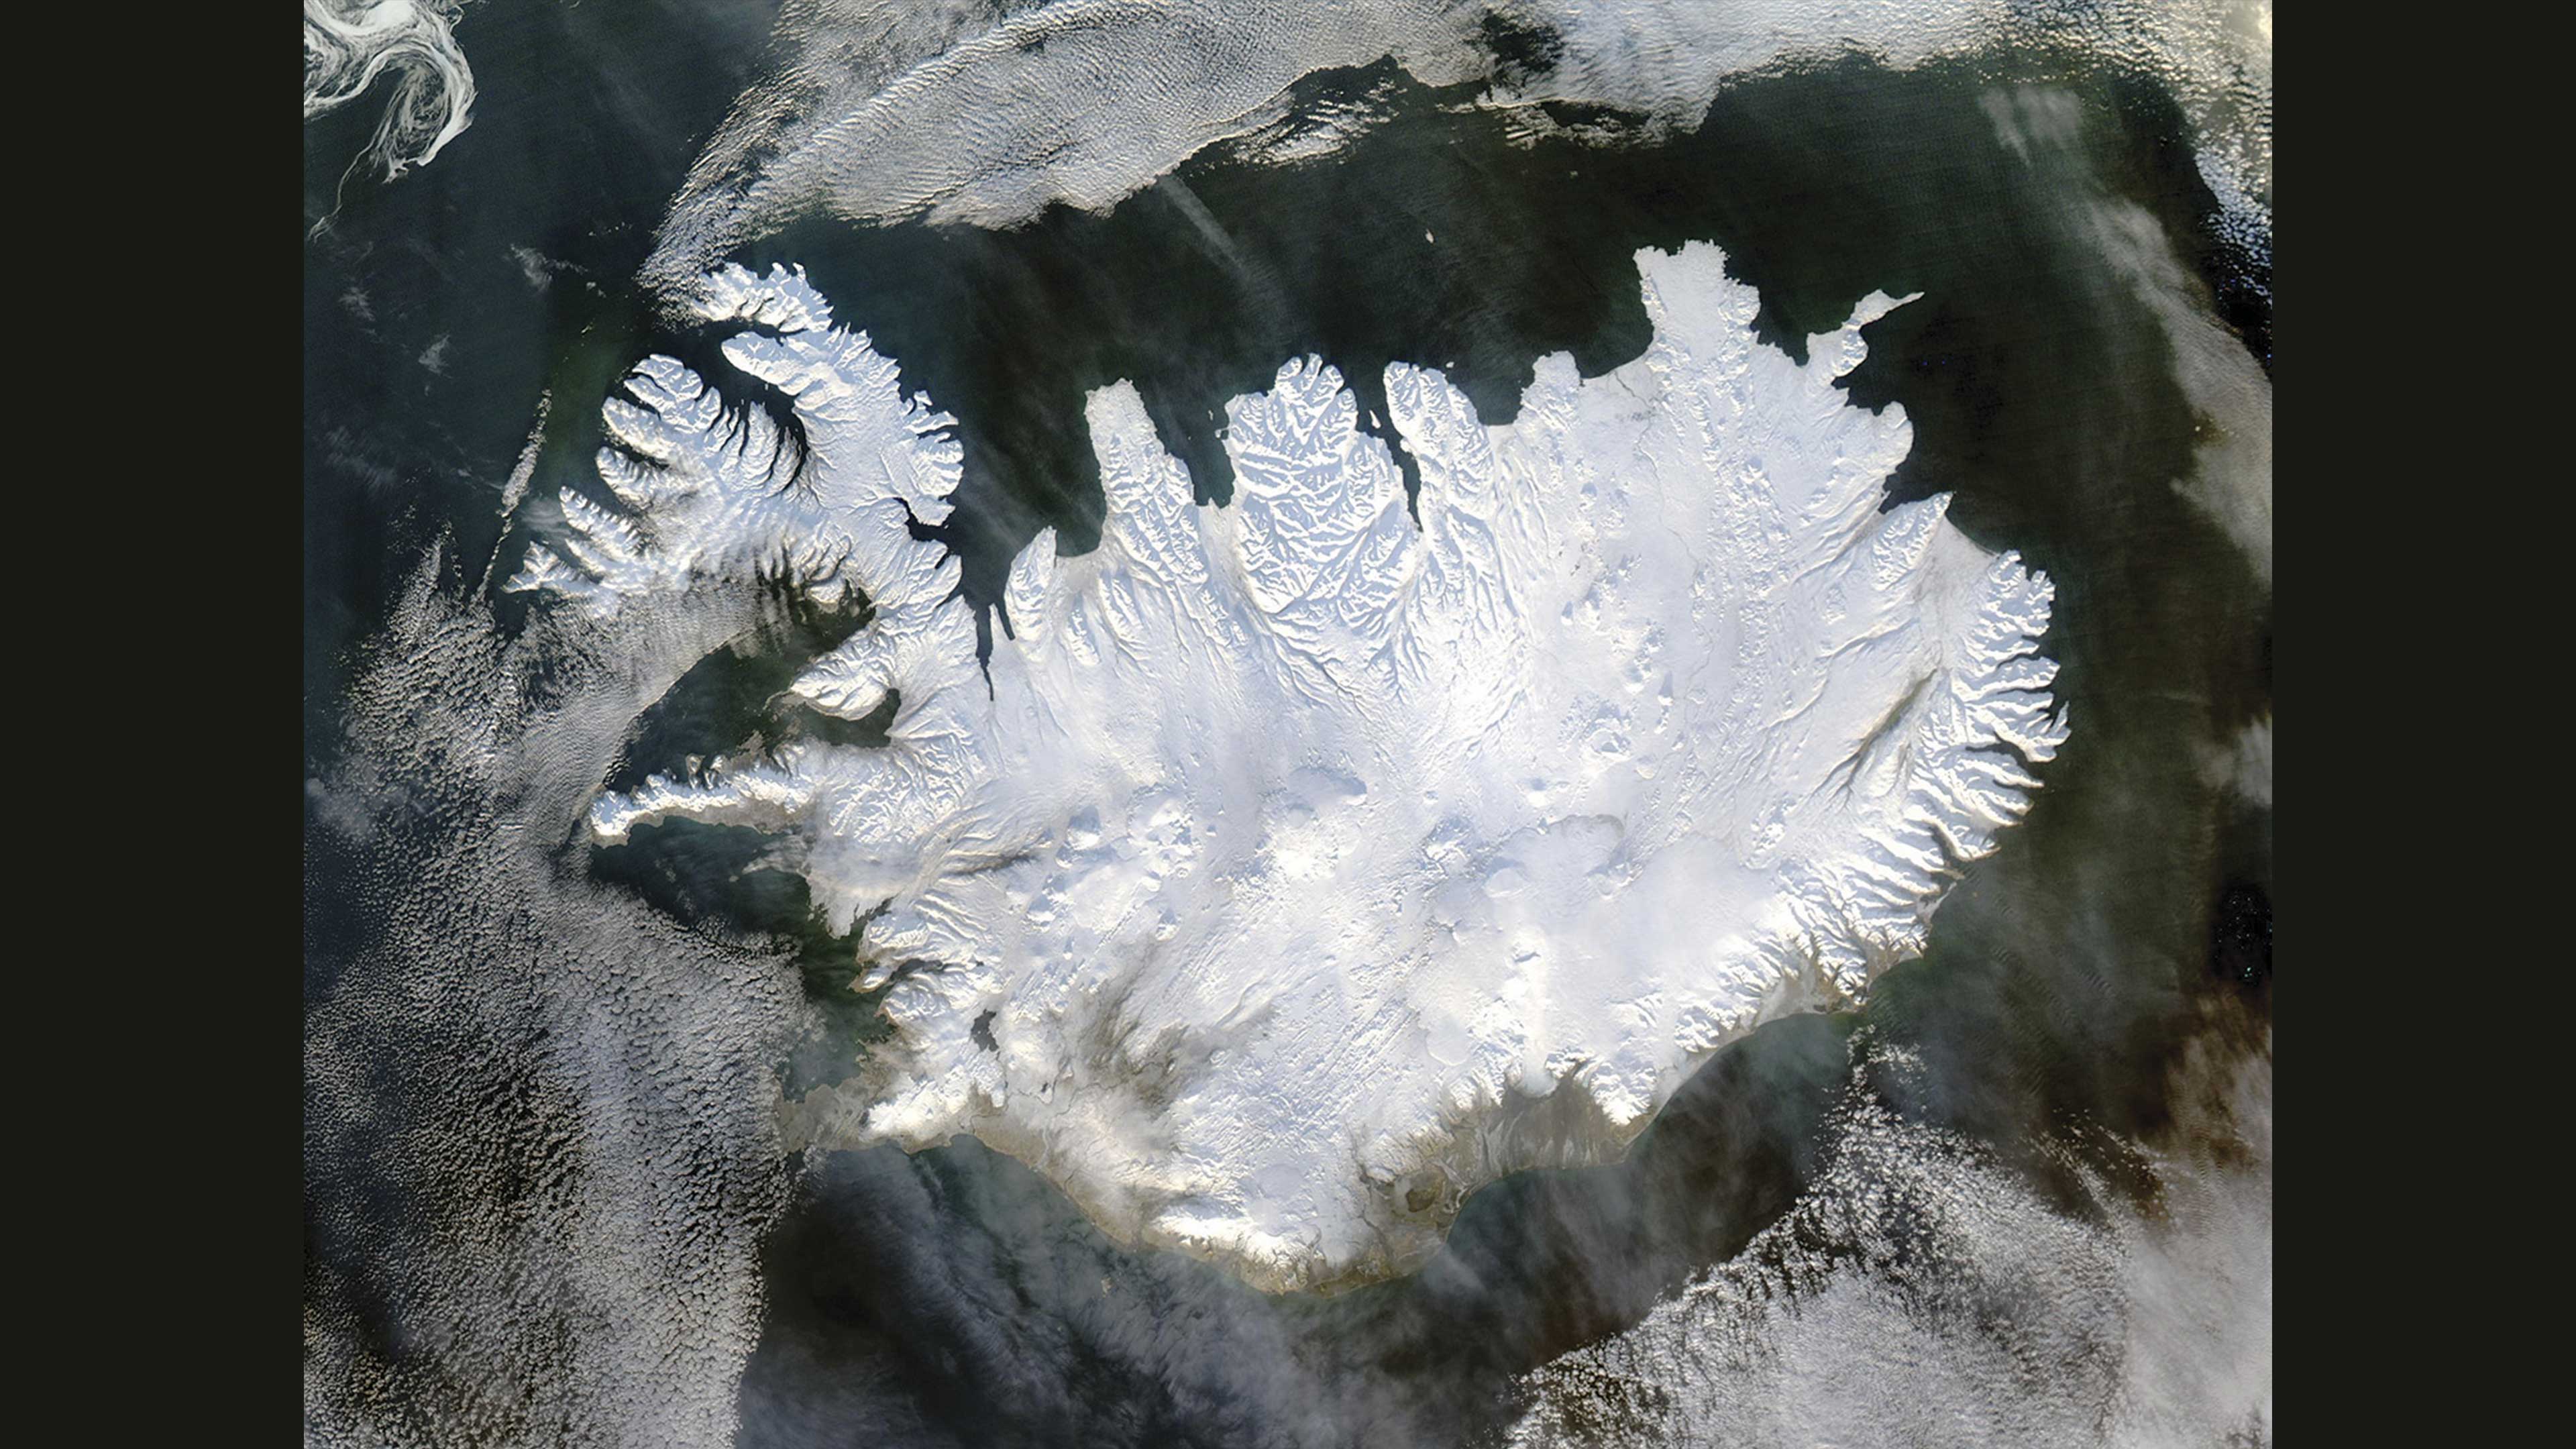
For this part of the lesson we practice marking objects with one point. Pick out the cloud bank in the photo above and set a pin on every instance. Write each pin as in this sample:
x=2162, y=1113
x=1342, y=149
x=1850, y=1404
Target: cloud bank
x=987, y=114
x=1921, y=1293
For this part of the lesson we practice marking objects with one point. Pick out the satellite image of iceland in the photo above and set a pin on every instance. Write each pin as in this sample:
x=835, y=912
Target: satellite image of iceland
x=1287, y=723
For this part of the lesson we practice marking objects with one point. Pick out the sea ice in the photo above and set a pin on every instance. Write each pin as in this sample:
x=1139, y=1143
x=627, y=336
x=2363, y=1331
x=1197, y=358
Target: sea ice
x=350, y=44
x=1295, y=867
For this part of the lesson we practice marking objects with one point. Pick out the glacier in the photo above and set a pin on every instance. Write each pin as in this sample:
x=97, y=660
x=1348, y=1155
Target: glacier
x=1293, y=867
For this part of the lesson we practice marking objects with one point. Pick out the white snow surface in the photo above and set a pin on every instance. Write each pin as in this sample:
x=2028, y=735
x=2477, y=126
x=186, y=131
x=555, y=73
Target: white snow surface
x=1301, y=867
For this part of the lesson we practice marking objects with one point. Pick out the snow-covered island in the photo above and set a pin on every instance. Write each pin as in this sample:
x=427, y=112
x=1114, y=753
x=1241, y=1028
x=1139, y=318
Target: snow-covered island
x=1295, y=867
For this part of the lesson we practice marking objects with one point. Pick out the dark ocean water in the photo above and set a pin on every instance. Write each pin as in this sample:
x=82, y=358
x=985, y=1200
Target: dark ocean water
x=952, y=1297
x=510, y=256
